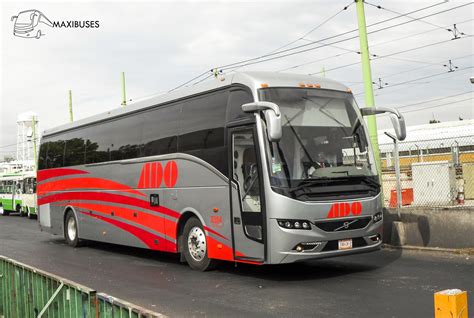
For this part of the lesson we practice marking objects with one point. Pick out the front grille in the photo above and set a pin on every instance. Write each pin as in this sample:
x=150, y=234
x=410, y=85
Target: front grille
x=334, y=245
x=343, y=225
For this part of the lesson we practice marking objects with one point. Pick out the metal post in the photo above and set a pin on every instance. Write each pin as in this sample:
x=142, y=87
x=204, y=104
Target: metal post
x=397, y=172
x=71, y=116
x=34, y=142
x=124, y=97
x=367, y=76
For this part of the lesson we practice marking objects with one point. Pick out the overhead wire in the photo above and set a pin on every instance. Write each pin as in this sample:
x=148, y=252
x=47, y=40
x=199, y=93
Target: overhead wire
x=268, y=58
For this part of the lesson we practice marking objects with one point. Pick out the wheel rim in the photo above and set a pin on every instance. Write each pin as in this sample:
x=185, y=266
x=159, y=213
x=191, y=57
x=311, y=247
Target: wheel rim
x=197, y=243
x=71, y=228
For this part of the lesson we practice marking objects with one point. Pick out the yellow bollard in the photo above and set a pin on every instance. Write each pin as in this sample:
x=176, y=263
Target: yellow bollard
x=450, y=303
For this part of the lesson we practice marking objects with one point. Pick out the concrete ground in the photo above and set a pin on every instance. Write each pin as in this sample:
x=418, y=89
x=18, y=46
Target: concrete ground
x=389, y=283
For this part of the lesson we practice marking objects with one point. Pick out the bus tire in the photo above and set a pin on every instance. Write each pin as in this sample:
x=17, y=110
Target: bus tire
x=71, y=233
x=195, y=246
x=30, y=215
x=19, y=210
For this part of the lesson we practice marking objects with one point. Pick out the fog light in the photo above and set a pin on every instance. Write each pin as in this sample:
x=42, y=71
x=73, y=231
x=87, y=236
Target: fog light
x=299, y=248
x=377, y=217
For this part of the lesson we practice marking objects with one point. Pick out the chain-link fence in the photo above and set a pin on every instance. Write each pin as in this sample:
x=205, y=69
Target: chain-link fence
x=436, y=172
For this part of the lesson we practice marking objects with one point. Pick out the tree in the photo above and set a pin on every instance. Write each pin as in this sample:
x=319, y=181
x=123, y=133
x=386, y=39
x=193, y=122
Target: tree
x=8, y=158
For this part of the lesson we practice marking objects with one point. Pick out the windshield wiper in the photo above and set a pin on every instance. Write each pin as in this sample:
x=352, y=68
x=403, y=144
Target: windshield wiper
x=371, y=182
x=307, y=183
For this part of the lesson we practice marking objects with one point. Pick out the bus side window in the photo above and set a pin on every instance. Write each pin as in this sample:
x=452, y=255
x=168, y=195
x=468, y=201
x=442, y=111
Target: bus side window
x=55, y=157
x=238, y=97
x=42, y=164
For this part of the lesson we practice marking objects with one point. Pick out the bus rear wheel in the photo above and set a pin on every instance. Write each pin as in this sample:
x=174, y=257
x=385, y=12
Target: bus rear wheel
x=195, y=246
x=30, y=215
x=71, y=233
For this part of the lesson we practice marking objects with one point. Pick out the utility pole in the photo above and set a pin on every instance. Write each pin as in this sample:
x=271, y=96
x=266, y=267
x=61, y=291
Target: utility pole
x=71, y=116
x=124, y=97
x=35, y=156
x=367, y=76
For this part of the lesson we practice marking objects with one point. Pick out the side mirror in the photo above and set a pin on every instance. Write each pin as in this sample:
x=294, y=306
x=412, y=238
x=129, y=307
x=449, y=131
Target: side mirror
x=14, y=17
x=272, y=117
x=397, y=119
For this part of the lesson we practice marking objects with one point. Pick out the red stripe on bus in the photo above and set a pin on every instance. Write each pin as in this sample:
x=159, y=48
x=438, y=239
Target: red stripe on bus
x=84, y=183
x=106, y=197
x=215, y=233
x=153, y=222
x=153, y=241
x=58, y=172
x=141, y=182
x=217, y=250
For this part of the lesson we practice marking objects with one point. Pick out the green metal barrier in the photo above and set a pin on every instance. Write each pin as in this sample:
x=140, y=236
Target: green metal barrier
x=28, y=292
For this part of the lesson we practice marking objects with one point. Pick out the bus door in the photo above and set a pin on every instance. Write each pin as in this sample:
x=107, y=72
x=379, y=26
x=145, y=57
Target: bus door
x=247, y=211
x=16, y=194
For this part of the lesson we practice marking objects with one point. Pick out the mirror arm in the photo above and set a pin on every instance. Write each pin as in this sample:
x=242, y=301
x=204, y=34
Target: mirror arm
x=367, y=111
x=257, y=106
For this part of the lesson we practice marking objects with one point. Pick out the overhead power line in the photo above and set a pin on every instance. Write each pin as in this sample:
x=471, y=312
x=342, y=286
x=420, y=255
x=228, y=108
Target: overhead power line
x=388, y=90
x=279, y=54
x=350, y=51
x=434, y=100
x=315, y=28
x=436, y=106
x=408, y=16
x=269, y=57
x=247, y=61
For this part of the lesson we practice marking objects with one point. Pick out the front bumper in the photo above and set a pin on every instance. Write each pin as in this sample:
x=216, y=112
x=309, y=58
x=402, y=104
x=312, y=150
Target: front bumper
x=283, y=245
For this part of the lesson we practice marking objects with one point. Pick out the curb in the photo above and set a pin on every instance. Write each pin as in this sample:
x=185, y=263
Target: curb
x=458, y=251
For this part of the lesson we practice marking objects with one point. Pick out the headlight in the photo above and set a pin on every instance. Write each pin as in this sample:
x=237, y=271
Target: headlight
x=295, y=224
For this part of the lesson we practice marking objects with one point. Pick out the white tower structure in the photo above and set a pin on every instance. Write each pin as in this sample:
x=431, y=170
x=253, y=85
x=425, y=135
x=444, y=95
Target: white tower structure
x=27, y=137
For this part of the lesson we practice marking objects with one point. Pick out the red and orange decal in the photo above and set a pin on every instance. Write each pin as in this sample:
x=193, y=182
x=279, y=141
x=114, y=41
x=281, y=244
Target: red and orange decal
x=343, y=209
x=153, y=175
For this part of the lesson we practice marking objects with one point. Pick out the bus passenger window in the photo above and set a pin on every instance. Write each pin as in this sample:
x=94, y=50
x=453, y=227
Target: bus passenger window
x=246, y=170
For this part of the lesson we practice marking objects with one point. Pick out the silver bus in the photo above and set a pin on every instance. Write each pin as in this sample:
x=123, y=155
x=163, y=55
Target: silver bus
x=259, y=168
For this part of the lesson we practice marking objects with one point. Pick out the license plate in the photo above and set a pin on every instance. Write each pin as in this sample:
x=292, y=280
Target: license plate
x=345, y=244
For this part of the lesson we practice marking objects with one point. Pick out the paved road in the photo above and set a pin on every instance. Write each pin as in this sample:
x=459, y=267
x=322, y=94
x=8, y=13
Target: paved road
x=388, y=283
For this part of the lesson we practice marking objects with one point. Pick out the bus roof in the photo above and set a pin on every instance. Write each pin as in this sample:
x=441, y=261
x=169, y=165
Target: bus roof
x=253, y=80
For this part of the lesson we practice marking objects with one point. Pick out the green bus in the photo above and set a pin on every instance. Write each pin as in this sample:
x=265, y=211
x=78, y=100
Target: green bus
x=18, y=193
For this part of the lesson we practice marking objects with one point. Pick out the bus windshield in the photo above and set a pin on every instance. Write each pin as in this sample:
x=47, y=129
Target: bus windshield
x=323, y=138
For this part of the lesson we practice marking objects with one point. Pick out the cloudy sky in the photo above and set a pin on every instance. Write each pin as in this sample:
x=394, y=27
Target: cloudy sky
x=160, y=45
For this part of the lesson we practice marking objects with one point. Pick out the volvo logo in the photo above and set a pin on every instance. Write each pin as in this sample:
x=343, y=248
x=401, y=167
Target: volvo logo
x=345, y=225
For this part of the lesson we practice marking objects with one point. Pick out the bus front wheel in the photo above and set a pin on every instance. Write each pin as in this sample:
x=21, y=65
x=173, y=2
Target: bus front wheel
x=195, y=246
x=71, y=233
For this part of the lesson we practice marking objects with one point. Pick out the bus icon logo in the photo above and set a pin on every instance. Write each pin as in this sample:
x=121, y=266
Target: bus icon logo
x=30, y=24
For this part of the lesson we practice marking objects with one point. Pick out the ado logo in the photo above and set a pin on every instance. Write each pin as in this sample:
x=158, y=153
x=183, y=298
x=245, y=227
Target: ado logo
x=343, y=209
